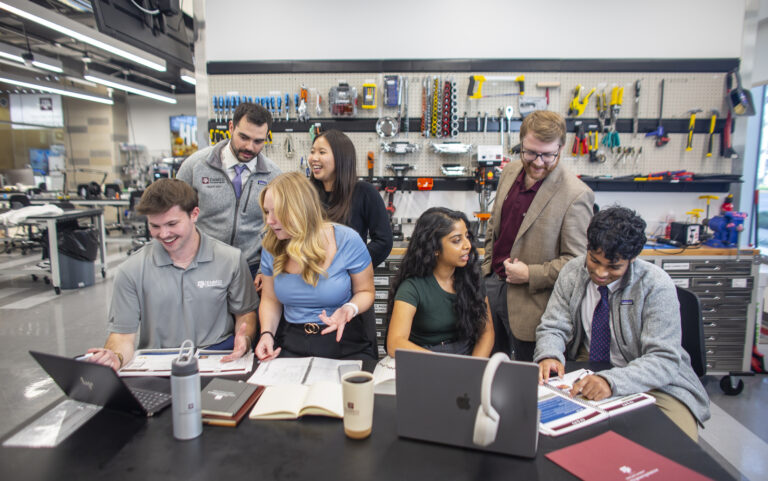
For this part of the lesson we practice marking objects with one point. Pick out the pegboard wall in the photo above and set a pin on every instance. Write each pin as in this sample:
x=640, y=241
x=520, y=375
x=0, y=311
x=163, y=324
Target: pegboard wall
x=684, y=91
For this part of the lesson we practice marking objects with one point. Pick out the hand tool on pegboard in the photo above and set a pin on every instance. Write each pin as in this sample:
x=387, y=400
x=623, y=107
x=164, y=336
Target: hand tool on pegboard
x=445, y=122
x=547, y=86
x=370, y=166
x=636, y=112
x=726, y=149
x=578, y=103
x=369, y=96
x=596, y=154
x=454, y=109
x=404, y=105
x=611, y=139
x=601, y=104
x=711, y=137
x=501, y=129
x=287, y=107
x=691, y=128
x=660, y=133
x=435, y=110
x=475, y=89
x=425, y=107
x=509, y=111
x=580, y=146
x=390, y=190
x=739, y=99
x=391, y=95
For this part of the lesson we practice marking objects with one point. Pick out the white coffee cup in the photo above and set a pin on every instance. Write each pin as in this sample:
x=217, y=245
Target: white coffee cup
x=357, y=389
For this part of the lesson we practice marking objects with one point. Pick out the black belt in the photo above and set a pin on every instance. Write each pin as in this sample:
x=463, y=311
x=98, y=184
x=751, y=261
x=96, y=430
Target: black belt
x=310, y=328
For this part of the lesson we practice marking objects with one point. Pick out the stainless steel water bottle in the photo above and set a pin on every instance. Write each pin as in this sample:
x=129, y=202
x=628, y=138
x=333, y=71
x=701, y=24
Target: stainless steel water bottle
x=185, y=391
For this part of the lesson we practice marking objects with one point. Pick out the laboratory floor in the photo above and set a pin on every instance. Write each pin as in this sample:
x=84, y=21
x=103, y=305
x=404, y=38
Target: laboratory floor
x=33, y=317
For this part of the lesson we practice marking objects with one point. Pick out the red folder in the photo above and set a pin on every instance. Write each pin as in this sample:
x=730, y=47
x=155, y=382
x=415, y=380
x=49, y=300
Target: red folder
x=610, y=456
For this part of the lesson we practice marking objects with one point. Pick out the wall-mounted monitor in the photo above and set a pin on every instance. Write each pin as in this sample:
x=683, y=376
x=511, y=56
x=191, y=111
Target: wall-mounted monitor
x=161, y=32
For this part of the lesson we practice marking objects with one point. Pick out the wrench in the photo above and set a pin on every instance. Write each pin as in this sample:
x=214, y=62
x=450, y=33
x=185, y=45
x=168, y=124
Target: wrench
x=509, y=111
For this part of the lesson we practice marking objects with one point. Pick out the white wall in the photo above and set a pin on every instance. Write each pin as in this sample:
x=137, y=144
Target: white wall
x=242, y=30
x=353, y=29
x=149, y=124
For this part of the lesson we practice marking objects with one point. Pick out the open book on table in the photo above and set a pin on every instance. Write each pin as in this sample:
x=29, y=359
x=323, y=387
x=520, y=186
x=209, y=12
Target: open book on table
x=561, y=413
x=301, y=386
x=157, y=362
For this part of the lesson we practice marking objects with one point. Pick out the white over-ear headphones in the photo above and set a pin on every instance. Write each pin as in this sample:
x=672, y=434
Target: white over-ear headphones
x=487, y=419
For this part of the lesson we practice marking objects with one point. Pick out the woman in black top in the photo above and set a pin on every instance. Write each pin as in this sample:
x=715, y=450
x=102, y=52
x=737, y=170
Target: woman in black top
x=348, y=201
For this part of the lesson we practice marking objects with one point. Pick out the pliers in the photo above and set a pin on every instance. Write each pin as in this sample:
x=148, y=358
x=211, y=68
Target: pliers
x=611, y=139
x=580, y=146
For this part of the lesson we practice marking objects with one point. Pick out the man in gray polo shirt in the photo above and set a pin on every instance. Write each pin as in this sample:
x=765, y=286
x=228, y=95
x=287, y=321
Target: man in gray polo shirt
x=183, y=285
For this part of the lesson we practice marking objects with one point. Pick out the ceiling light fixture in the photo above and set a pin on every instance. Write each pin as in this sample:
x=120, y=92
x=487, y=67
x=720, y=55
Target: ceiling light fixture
x=28, y=58
x=128, y=86
x=83, y=33
x=188, y=76
x=52, y=88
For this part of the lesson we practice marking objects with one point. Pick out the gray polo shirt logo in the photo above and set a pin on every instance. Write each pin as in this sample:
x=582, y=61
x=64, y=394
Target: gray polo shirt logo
x=204, y=284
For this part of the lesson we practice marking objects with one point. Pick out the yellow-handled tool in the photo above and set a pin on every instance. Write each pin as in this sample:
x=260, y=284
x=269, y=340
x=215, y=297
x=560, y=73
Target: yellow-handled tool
x=691, y=126
x=711, y=141
x=577, y=106
x=475, y=90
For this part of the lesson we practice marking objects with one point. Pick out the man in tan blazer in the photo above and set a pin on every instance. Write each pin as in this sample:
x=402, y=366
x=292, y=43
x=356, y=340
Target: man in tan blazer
x=538, y=223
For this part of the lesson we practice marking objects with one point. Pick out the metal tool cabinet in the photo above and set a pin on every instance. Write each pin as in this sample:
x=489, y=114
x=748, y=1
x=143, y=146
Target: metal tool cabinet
x=727, y=288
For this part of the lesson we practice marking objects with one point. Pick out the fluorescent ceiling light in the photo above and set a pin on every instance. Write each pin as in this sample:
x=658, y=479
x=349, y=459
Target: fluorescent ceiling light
x=188, y=76
x=52, y=88
x=127, y=86
x=83, y=33
x=40, y=61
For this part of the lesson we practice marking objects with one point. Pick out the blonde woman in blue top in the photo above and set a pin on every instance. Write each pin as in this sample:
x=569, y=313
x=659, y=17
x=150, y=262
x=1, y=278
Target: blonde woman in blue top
x=317, y=278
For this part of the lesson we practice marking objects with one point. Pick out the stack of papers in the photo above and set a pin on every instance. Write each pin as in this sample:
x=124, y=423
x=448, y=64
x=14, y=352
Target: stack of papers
x=157, y=362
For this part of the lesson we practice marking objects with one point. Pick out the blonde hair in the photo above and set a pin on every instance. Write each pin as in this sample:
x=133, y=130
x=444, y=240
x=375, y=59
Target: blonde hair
x=297, y=206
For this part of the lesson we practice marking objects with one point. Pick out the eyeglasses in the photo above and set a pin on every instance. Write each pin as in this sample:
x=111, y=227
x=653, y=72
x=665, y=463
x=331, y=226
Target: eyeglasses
x=546, y=157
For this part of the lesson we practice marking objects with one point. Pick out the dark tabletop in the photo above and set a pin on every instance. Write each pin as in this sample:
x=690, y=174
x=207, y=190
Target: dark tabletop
x=116, y=446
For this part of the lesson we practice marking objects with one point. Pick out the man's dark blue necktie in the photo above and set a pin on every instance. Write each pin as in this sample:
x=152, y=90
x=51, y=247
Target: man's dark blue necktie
x=238, y=180
x=600, y=343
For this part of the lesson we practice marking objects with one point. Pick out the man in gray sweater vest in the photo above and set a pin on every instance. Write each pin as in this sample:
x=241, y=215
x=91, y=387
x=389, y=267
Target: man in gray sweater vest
x=228, y=178
x=610, y=306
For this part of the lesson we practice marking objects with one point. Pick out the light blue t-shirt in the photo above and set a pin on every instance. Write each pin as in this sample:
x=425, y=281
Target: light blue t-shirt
x=303, y=303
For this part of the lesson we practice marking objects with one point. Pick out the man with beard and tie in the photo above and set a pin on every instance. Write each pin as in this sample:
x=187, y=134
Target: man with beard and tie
x=228, y=178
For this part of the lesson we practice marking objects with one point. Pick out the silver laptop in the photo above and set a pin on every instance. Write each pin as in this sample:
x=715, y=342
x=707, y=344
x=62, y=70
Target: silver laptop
x=438, y=396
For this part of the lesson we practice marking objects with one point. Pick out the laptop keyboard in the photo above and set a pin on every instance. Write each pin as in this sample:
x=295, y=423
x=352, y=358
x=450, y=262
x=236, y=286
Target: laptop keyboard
x=151, y=400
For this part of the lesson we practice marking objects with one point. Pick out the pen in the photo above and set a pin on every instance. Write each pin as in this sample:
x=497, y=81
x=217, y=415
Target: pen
x=84, y=357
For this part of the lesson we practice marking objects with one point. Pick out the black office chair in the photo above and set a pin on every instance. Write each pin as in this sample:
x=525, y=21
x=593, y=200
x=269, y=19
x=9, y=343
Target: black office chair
x=18, y=201
x=693, y=330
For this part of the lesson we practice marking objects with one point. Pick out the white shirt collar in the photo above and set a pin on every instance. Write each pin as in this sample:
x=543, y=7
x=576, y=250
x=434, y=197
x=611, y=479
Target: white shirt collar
x=228, y=160
x=611, y=287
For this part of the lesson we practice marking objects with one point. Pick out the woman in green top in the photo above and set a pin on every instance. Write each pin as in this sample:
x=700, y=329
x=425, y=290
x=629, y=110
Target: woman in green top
x=437, y=300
